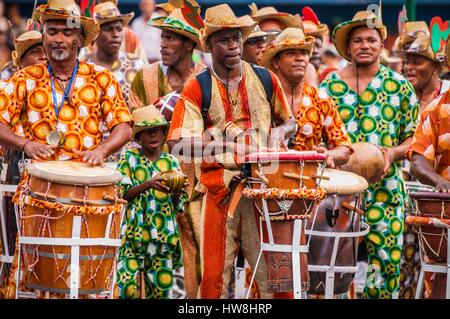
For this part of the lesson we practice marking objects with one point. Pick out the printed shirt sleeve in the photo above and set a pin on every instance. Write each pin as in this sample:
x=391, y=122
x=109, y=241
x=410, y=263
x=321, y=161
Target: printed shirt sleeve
x=114, y=107
x=334, y=132
x=280, y=106
x=124, y=167
x=187, y=120
x=426, y=136
x=12, y=98
x=409, y=106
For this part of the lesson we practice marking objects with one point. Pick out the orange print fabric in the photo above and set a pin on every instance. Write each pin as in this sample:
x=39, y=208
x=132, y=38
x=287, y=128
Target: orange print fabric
x=96, y=99
x=318, y=121
x=432, y=136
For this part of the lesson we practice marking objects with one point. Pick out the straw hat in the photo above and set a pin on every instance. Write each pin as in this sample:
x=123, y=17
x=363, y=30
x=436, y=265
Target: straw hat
x=171, y=5
x=107, y=12
x=416, y=39
x=147, y=117
x=290, y=38
x=219, y=18
x=288, y=20
x=256, y=32
x=176, y=22
x=447, y=52
x=68, y=10
x=24, y=42
x=342, y=31
x=312, y=25
x=386, y=57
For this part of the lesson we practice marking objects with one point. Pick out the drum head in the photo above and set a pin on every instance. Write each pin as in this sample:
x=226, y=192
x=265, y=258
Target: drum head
x=341, y=182
x=71, y=173
x=284, y=156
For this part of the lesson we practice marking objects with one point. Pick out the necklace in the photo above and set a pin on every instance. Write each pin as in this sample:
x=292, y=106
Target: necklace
x=233, y=98
x=227, y=83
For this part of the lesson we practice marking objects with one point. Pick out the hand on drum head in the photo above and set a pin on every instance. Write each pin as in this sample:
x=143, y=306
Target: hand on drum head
x=37, y=151
x=329, y=160
x=94, y=157
x=277, y=138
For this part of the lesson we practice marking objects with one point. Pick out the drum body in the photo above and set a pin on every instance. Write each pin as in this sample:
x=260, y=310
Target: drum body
x=433, y=240
x=284, y=172
x=336, y=214
x=64, y=199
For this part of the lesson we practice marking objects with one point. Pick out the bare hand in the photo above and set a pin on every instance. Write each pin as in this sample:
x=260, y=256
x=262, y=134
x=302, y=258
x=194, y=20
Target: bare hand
x=277, y=138
x=94, y=157
x=37, y=151
x=241, y=150
x=388, y=154
x=329, y=159
x=443, y=187
x=156, y=183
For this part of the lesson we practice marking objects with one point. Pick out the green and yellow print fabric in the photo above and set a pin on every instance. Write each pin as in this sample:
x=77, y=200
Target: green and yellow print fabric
x=150, y=237
x=385, y=114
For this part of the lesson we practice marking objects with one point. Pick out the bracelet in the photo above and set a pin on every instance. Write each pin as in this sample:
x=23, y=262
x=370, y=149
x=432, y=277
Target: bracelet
x=23, y=146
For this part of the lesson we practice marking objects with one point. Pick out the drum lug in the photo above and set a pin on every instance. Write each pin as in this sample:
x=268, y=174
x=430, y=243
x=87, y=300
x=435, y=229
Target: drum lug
x=332, y=215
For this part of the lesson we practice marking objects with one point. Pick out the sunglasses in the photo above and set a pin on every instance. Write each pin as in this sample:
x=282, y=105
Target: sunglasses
x=253, y=41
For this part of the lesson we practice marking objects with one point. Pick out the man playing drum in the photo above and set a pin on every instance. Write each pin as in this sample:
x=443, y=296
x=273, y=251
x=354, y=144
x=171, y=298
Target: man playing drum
x=377, y=106
x=238, y=102
x=315, y=113
x=63, y=103
x=430, y=153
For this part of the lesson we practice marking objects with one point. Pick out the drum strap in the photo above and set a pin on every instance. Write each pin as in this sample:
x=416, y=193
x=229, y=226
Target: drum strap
x=204, y=80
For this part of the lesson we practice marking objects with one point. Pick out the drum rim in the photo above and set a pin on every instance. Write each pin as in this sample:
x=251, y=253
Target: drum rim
x=344, y=189
x=34, y=170
x=289, y=156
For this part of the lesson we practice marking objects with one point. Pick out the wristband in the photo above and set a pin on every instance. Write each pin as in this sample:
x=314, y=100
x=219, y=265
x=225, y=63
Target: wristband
x=23, y=146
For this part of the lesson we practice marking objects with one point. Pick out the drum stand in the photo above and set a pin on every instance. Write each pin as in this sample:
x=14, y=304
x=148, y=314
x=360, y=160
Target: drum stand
x=5, y=256
x=425, y=267
x=75, y=242
x=332, y=269
x=295, y=250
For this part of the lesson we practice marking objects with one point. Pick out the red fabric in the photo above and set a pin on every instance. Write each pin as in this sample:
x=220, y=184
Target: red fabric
x=285, y=156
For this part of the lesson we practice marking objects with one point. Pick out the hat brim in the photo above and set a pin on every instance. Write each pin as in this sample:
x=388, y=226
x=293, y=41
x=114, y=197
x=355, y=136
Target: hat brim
x=286, y=20
x=322, y=30
x=267, y=55
x=23, y=46
x=90, y=27
x=270, y=36
x=126, y=18
x=342, y=31
x=179, y=31
x=210, y=29
x=139, y=128
x=447, y=52
x=426, y=54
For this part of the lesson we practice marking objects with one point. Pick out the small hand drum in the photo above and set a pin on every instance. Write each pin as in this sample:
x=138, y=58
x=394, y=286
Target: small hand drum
x=174, y=179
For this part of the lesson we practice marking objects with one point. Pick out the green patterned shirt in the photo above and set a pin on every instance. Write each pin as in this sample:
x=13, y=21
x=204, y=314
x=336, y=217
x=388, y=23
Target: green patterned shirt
x=149, y=225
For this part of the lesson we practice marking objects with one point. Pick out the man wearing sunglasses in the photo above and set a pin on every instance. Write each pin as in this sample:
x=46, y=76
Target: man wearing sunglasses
x=255, y=43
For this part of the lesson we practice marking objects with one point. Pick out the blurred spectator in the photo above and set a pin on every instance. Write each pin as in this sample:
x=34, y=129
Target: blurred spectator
x=6, y=42
x=150, y=37
x=19, y=24
x=391, y=61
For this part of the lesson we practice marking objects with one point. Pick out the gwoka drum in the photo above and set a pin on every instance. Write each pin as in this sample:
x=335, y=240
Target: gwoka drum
x=69, y=217
x=282, y=186
x=334, y=230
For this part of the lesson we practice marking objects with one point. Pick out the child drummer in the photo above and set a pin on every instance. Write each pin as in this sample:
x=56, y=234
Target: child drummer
x=151, y=247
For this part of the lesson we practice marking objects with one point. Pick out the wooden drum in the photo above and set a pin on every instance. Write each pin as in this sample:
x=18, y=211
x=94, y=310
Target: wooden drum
x=283, y=188
x=70, y=216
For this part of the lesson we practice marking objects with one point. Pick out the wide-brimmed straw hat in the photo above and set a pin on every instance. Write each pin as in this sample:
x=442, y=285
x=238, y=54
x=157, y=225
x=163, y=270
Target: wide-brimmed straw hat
x=416, y=39
x=68, y=10
x=171, y=5
x=147, y=117
x=107, y=12
x=287, y=20
x=219, y=18
x=447, y=52
x=177, y=23
x=256, y=32
x=24, y=42
x=290, y=38
x=361, y=18
x=312, y=25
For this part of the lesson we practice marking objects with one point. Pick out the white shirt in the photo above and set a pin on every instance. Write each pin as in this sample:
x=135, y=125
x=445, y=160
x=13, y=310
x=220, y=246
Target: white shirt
x=150, y=38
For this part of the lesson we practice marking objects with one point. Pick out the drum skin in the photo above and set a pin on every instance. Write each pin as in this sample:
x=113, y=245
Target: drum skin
x=367, y=161
x=433, y=205
x=53, y=266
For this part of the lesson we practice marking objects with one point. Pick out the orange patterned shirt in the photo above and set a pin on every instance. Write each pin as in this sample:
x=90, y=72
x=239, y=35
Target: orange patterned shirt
x=96, y=101
x=318, y=121
x=432, y=136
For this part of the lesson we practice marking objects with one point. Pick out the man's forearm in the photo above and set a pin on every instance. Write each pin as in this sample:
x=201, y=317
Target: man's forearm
x=10, y=140
x=197, y=147
x=424, y=171
x=120, y=135
x=400, y=151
